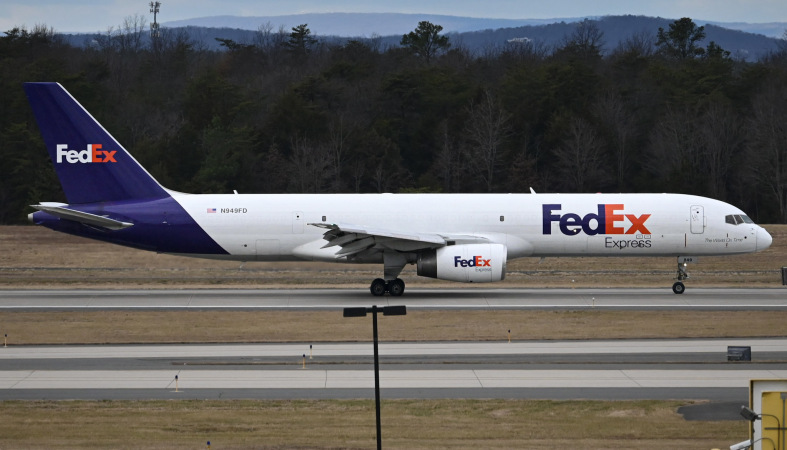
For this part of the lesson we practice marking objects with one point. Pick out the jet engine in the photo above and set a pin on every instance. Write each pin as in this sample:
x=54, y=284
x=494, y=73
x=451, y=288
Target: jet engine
x=469, y=263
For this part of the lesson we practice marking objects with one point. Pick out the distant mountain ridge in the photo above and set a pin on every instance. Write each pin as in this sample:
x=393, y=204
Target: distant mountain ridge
x=385, y=24
x=491, y=34
x=360, y=24
x=616, y=29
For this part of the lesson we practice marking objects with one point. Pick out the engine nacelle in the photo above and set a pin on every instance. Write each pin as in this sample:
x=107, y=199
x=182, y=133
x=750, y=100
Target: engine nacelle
x=471, y=263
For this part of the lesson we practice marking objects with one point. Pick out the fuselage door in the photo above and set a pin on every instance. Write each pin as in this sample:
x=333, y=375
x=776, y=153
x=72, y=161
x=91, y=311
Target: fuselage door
x=697, y=219
x=297, y=222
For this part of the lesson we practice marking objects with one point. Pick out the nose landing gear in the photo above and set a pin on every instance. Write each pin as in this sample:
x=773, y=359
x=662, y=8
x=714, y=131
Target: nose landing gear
x=679, y=287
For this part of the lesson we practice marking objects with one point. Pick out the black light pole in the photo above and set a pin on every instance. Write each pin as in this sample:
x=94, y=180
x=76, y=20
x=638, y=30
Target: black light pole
x=387, y=311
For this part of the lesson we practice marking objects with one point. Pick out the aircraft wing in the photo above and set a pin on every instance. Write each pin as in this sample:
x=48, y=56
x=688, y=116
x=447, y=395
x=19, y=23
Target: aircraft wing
x=60, y=210
x=355, y=239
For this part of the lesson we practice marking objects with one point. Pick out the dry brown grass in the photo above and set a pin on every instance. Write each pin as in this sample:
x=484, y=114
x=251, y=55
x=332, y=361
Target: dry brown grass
x=412, y=424
x=125, y=327
x=35, y=257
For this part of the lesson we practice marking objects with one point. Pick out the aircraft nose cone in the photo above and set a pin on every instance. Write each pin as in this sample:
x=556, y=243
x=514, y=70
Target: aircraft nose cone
x=764, y=239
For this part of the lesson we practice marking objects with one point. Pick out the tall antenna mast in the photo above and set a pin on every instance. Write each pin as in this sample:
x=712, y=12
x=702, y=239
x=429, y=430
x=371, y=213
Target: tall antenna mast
x=154, y=8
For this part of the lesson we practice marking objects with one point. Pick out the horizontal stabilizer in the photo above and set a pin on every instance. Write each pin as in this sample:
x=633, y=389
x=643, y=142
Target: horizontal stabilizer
x=60, y=210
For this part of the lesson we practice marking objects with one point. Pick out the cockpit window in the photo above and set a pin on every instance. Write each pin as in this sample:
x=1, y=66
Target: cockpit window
x=737, y=219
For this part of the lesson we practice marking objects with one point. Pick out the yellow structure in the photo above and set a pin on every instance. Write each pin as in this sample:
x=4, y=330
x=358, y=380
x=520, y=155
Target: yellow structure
x=768, y=398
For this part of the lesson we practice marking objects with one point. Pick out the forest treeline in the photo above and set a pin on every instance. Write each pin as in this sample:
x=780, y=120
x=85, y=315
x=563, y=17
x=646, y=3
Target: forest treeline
x=664, y=111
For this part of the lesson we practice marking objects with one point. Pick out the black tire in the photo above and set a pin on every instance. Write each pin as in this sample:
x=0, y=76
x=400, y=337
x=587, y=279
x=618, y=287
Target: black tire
x=378, y=287
x=678, y=288
x=396, y=287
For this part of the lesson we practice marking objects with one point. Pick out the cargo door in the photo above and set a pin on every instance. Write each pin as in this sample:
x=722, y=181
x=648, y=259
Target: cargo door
x=297, y=222
x=697, y=219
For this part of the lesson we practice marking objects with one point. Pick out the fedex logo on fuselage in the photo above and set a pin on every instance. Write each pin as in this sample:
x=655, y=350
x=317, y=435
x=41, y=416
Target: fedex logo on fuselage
x=92, y=154
x=475, y=261
x=609, y=219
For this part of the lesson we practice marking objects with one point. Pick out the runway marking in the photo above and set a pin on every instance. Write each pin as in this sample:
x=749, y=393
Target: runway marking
x=781, y=305
x=295, y=350
x=415, y=299
x=391, y=379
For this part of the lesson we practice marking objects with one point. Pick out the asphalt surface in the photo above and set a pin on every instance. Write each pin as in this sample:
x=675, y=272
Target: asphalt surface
x=690, y=369
x=333, y=299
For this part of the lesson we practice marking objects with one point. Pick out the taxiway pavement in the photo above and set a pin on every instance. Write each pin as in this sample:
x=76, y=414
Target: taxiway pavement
x=674, y=369
x=328, y=299
x=619, y=369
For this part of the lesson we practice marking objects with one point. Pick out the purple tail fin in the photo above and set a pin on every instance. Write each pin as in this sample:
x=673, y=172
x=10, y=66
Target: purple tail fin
x=92, y=166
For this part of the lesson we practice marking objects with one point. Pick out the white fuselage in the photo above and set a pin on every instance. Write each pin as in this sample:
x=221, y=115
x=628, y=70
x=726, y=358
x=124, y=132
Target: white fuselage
x=276, y=227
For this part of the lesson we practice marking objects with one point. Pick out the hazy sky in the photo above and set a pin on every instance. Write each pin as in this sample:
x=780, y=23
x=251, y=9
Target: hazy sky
x=98, y=15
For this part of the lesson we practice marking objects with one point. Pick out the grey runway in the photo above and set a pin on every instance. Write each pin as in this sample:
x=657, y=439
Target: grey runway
x=332, y=299
x=598, y=369
x=411, y=370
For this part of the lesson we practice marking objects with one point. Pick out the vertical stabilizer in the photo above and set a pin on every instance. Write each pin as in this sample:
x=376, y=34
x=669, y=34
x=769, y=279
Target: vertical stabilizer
x=92, y=166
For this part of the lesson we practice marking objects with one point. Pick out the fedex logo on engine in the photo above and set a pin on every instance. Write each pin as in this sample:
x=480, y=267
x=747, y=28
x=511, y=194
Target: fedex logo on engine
x=475, y=261
x=92, y=154
x=609, y=219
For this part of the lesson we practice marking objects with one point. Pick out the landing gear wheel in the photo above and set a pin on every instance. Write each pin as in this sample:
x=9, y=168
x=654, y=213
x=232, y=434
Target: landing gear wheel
x=378, y=287
x=678, y=288
x=396, y=287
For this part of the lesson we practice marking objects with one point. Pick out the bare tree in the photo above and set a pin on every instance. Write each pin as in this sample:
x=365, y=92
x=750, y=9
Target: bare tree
x=336, y=144
x=674, y=150
x=274, y=170
x=358, y=168
x=487, y=128
x=768, y=143
x=128, y=36
x=264, y=38
x=448, y=159
x=380, y=178
x=580, y=157
x=374, y=42
x=309, y=163
x=523, y=50
x=720, y=138
x=621, y=128
x=522, y=173
x=640, y=44
x=585, y=42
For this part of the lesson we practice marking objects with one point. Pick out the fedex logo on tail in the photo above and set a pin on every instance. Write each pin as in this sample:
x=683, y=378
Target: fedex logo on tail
x=92, y=154
x=609, y=219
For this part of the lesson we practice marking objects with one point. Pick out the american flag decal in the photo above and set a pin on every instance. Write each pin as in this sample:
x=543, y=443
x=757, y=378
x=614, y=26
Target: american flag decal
x=211, y=210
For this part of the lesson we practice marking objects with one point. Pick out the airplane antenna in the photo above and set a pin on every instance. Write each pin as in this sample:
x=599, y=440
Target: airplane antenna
x=154, y=29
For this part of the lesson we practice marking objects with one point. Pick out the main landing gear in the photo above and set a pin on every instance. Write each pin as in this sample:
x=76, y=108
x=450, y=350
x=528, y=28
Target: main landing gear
x=679, y=287
x=394, y=287
x=393, y=263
